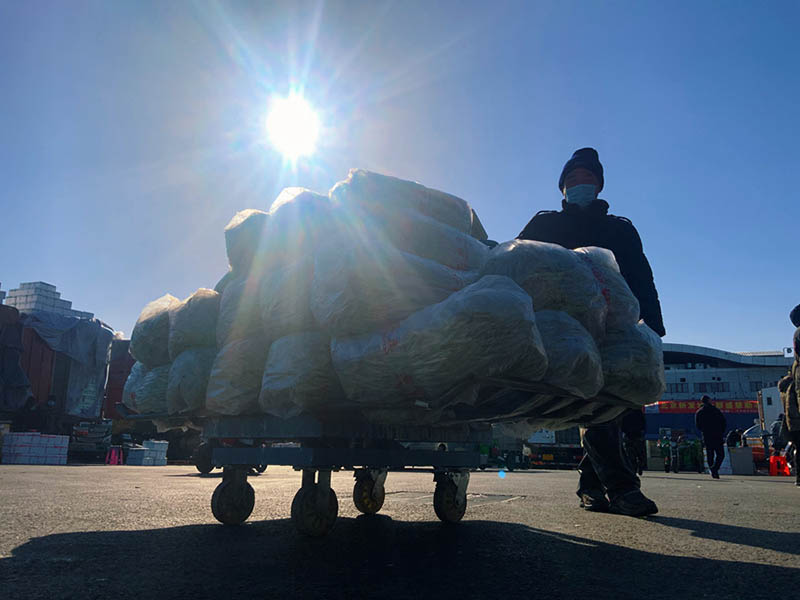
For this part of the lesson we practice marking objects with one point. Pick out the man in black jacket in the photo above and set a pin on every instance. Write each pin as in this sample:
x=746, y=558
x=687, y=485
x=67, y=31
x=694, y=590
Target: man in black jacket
x=711, y=422
x=584, y=221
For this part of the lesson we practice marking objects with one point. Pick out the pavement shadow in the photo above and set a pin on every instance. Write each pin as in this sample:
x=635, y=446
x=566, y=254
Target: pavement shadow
x=779, y=541
x=366, y=557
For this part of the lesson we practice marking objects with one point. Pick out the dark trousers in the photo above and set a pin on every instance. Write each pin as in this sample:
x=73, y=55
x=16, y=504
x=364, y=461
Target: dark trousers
x=715, y=452
x=604, y=466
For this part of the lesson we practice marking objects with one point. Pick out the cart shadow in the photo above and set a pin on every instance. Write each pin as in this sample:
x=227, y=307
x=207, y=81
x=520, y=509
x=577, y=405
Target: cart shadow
x=779, y=541
x=362, y=557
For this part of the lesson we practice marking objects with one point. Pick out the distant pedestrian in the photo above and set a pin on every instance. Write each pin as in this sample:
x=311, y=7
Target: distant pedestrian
x=711, y=423
x=778, y=432
x=734, y=438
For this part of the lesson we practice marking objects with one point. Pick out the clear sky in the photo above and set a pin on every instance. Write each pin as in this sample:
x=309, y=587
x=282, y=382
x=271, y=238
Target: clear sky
x=130, y=133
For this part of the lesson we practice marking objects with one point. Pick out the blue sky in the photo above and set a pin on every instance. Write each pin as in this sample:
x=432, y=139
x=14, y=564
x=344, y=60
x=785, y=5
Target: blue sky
x=131, y=133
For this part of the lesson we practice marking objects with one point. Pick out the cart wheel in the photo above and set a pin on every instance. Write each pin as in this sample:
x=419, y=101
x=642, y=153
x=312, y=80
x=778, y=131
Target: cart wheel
x=232, y=502
x=260, y=468
x=306, y=513
x=366, y=497
x=446, y=504
x=202, y=458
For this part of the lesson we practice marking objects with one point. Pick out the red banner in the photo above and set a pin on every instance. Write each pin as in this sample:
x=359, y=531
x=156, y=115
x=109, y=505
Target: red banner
x=691, y=406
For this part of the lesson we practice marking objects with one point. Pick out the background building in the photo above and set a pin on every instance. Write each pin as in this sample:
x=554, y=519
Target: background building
x=40, y=296
x=732, y=379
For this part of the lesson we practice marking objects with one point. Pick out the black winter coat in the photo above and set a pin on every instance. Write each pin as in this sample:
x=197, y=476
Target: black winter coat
x=710, y=420
x=574, y=227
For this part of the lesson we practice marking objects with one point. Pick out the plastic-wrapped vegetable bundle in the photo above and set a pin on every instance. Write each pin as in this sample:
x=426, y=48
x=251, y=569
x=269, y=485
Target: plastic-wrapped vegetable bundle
x=193, y=322
x=299, y=376
x=572, y=355
x=146, y=389
x=243, y=235
x=381, y=194
x=150, y=336
x=362, y=282
x=298, y=220
x=285, y=299
x=623, y=307
x=239, y=312
x=485, y=329
x=188, y=380
x=426, y=237
x=555, y=278
x=235, y=378
x=633, y=364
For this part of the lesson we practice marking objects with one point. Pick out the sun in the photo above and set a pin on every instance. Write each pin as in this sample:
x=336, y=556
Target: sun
x=292, y=126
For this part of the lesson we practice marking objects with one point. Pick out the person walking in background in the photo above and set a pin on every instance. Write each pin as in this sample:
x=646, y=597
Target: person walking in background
x=711, y=423
x=607, y=481
x=789, y=388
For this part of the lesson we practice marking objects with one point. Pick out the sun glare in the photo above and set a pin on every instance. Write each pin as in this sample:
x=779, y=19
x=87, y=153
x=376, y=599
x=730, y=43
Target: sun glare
x=292, y=126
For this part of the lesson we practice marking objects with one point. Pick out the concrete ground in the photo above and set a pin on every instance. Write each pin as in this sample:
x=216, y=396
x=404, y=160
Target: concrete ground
x=147, y=532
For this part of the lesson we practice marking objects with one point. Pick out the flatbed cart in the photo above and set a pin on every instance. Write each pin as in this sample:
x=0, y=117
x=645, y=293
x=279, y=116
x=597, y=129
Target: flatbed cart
x=324, y=446
x=321, y=444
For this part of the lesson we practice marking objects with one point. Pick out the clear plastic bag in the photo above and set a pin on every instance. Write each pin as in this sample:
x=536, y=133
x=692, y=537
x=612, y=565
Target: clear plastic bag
x=299, y=376
x=572, y=356
x=239, y=311
x=193, y=322
x=362, y=282
x=145, y=390
x=243, y=236
x=285, y=299
x=623, y=307
x=555, y=278
x=188, y=380
x=485, y=329
x=382, y=194
x=633, y=364
x=235, y=378
x=150, y=336
x=426, y=237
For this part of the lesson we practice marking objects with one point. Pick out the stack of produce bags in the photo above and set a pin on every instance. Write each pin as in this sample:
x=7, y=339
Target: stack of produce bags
x=380, y=297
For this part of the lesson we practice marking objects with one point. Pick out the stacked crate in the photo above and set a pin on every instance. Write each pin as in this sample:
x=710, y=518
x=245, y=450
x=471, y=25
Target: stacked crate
x=152, y=453
x=35, y=449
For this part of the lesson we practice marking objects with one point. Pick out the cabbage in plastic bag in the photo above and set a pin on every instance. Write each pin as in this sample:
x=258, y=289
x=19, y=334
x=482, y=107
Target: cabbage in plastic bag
x=193, y=322
x=150, y=336
x=362, y=282
x=623, y=307
x=485, y=329
x=555, y=278
x=572, y=356
x=132, y=383
x=285, y=299
x=239, y=311
x=633, y=364
x=381, y=194
x=413, y=232
x=188, y=380
x=235, y=379
x=146, y=389
x=299, y=376
x=243, y=236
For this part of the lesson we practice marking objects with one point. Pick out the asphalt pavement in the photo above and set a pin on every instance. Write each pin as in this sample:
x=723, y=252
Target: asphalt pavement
x=117, y=532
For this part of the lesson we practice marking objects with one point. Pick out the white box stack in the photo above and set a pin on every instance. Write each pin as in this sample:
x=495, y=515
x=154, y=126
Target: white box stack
x=156, y=453
x=35, y=449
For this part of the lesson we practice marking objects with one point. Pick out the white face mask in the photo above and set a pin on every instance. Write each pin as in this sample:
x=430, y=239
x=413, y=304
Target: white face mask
x=582, y=195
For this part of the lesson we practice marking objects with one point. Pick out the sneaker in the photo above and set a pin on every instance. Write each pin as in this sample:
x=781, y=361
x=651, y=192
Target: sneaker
x=715, y=474
x=593, y=501
x=633, y=504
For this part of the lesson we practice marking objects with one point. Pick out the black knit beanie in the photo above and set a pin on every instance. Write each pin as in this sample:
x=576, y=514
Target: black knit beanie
x=794, y=316
x=586, y=158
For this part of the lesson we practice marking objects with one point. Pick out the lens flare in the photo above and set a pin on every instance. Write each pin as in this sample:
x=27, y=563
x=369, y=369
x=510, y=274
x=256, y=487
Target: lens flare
x=292, y=126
